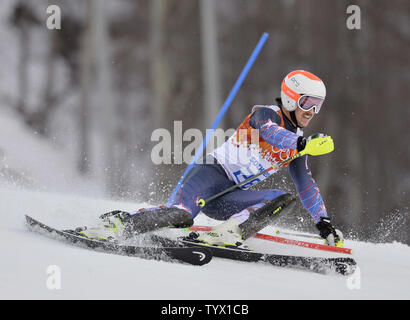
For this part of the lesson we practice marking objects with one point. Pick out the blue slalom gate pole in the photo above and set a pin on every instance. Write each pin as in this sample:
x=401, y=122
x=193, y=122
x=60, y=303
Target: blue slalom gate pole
x=223, y=110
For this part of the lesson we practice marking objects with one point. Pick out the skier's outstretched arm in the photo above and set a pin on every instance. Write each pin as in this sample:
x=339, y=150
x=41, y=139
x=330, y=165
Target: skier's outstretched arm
x=307, y=188
x=312, y=200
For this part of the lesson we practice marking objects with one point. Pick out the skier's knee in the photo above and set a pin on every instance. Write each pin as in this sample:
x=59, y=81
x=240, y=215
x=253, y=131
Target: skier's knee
x=262, y=217
x=277, y=205
x=182, y=219
x=285, y=200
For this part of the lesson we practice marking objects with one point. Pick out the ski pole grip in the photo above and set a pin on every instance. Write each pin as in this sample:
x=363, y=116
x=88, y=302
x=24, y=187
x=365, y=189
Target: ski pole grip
x=201, y=203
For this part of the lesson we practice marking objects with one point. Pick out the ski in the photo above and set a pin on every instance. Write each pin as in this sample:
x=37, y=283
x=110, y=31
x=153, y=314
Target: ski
x=190, y=255
x=275, y=238
x=342, y=266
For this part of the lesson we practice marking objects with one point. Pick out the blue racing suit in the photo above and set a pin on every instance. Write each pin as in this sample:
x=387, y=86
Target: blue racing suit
x=212, y=177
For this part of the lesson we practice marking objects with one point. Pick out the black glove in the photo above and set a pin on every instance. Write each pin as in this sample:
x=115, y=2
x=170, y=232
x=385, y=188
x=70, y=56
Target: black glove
x=301, y=144
x=325, y=228
x=333, y=237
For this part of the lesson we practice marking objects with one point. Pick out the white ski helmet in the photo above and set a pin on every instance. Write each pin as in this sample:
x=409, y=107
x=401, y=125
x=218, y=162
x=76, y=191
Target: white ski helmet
x=300, y=83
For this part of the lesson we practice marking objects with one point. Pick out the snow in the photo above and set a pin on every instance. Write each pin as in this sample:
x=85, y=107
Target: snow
x=25, y=257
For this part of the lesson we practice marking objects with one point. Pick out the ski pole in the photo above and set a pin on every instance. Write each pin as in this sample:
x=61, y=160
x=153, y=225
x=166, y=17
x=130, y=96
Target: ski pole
x=315, y=147
x=202, y=202
x=303, y=235
x=224, y=108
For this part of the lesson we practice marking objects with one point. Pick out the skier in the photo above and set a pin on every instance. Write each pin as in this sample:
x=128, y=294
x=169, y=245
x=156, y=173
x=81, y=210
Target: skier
x=244, y=212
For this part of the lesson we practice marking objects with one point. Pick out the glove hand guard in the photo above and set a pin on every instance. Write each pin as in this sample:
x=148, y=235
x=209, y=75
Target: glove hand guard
x=315, y=145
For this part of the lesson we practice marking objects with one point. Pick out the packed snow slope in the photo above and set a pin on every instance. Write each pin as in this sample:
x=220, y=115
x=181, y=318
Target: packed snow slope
x=25, y=257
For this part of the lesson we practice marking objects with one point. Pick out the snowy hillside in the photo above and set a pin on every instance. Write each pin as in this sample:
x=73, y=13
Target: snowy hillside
x=31, y=161
x=25, y=257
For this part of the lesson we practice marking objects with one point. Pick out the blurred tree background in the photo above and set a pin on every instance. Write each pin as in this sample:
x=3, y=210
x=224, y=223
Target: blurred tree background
x=117, y=70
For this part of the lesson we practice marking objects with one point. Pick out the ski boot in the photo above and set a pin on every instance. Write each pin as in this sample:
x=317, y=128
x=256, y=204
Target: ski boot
x=116, y=225
x=227, y=234
x=110, y=227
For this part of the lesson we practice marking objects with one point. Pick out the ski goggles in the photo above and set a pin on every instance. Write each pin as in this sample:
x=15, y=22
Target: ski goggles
x=307, y=103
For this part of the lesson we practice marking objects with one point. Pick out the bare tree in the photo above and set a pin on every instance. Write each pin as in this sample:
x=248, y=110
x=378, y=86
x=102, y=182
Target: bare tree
x=104, y=89
x=159, y=77
x=210, y=64
x=85, y=84
x=23, y=18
